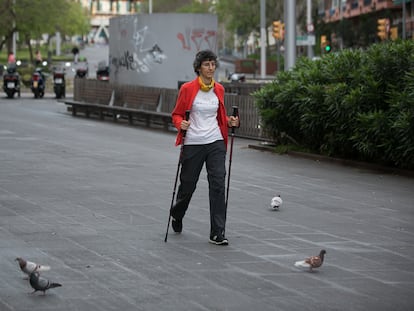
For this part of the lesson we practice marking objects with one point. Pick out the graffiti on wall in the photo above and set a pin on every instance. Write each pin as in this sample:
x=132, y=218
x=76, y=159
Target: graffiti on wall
x=145, y=54
x=144, y=50
x=199, y=37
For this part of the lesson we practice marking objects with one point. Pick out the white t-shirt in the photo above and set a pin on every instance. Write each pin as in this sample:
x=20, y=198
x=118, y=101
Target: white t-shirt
x=204, y=127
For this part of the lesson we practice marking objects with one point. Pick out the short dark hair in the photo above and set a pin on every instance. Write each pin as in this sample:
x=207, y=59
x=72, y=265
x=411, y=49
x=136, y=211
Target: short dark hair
x=202, y=56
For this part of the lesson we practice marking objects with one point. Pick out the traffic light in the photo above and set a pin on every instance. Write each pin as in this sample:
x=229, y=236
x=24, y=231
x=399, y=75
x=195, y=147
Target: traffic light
x=325, y=44
x=282, y=31
x=383, y=28
x=394, y=33
x=277, y=30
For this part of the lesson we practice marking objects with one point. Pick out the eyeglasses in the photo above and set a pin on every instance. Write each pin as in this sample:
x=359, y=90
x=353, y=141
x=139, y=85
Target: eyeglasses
x=209, y=64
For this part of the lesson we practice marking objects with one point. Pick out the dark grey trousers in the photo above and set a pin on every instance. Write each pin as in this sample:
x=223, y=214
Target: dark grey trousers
x=193, y=159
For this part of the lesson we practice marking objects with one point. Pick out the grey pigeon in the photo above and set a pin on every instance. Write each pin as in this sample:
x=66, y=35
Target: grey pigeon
x=28, y=266
x=312, y=262
x=41, y=284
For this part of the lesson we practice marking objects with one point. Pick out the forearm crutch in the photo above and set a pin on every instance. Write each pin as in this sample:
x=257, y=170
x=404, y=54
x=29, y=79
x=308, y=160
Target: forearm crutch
x=235, y=114
x=187, y=116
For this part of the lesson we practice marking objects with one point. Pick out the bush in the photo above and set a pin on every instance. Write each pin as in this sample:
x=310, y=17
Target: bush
x=354, y=104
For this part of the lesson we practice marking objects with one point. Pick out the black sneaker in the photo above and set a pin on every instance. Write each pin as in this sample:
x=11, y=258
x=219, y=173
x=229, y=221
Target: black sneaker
x=218, y=240
x=177, y=225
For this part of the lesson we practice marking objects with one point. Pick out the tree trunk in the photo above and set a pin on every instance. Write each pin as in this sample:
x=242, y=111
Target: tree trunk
x=30, y=48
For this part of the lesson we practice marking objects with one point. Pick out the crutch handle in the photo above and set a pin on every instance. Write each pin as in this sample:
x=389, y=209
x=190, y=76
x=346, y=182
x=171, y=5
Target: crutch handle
x=187, y=116
x=235, y=111
x=234, y=114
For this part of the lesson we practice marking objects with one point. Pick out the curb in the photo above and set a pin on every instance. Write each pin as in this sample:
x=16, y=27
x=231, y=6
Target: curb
x=344, y=162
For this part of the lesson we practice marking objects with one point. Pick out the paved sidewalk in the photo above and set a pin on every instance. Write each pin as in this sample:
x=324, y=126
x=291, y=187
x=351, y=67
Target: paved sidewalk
x=91, y=199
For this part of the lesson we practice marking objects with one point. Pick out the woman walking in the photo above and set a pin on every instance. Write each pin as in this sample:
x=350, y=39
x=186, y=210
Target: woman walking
x=205, y=143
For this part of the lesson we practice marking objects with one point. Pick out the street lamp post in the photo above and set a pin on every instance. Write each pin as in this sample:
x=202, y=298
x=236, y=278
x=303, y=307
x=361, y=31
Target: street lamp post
x=290, y=37
x=403, y=20
x=309, y=25
x=14, y=30
x=262, y=38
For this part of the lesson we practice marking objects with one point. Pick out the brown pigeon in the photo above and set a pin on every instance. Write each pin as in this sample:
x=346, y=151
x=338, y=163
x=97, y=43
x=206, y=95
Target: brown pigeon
x=312, y=262
x=28, y=267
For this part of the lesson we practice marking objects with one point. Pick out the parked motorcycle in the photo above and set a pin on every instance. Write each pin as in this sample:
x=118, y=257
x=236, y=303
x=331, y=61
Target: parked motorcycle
x=81, y=70
x=38, y=83
x=11, y=81
x=59, y=84
x=102, y=73
x=237, y=77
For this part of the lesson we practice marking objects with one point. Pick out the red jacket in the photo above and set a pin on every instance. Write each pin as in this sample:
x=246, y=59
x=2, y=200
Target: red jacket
x=186, y=95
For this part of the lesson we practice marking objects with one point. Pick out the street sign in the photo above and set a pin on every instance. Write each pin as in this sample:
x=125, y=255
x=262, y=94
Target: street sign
x=305, y=40
x=310, y=28
x=398, y=2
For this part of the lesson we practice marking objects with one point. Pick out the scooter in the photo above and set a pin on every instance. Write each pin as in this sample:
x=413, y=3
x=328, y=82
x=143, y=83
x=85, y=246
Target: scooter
x=59, y=84
x=11, y=81
x=102, y=73
x=236, y=77
x=81, y=70
x=38, y=83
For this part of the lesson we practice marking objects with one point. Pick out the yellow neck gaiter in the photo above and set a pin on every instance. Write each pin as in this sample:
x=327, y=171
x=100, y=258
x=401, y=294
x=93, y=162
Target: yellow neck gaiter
x=205, y=87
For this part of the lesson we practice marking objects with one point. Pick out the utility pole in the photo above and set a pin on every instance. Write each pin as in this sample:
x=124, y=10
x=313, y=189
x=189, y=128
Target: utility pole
x=262, y=39
x=403, y=20
x=150, y=7
x=341, y=13
x=309, y=25
x=14, y=31
x=290, y=37
x=58, y=43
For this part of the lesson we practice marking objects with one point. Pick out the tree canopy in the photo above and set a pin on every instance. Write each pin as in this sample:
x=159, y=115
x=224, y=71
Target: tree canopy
x=241, y=17
x=32, y=18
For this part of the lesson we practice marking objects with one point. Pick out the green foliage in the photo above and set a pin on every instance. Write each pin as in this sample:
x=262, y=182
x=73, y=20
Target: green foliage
x=354, y=104
x=32, y=18
x=195, y=7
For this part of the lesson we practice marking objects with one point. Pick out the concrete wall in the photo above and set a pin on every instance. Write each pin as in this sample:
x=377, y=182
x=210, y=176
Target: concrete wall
x=158, y=49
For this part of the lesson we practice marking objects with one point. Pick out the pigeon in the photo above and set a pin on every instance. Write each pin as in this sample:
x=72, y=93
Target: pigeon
x=276, y=202
x=312, y=262
x=41, y=284
x=29, y=267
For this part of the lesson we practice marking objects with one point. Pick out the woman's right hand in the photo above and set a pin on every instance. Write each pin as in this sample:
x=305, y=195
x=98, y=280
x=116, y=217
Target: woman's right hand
x=185, y=125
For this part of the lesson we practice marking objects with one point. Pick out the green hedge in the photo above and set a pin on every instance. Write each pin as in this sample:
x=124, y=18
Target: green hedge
x=356, y=104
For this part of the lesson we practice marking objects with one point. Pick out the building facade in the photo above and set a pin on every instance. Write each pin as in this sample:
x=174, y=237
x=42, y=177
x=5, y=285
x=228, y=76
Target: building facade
x=101, y=11
x=398, y=12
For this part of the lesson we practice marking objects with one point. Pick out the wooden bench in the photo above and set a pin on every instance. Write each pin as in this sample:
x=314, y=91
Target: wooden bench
x=137, y=107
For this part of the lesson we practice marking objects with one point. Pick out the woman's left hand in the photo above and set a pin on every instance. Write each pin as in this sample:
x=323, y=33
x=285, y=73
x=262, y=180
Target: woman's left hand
x=233, y=121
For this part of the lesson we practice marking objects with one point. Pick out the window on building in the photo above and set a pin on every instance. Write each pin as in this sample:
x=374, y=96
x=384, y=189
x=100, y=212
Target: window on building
x=321, y=8
x=354, y=4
